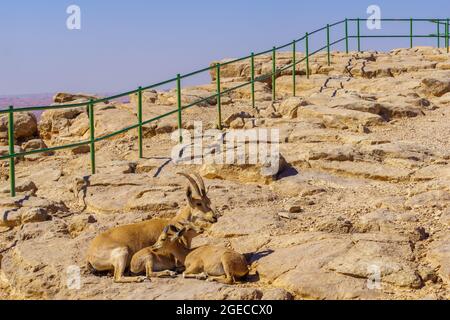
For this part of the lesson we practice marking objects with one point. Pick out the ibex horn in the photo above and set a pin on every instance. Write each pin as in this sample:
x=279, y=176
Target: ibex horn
x=202, y=183
x=192, y=182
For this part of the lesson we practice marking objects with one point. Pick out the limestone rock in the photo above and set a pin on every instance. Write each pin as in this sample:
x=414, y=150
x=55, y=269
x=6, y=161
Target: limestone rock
x=4, y=151
x=23, y=186
x=301, y=270
x=440, y=257
x=241, y=222
x=289, y=107
x=239, y=116
x=81, y=149
x=36, y=144
x=392, y=261
x=64, y=97
x=339, y=118
x=435, y=86
x=57, y=121
x=245, y=173
x=25, y=125
x=364, y=169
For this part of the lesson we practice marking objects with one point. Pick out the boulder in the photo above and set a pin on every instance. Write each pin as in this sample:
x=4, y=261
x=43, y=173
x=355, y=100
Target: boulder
x=22, y=186
x=32, y=209
x=289, y=107
x=58, y=121
x=263, y=173
x=36, y=144
x=436, y=86
x=25, y=126
x=64, y=97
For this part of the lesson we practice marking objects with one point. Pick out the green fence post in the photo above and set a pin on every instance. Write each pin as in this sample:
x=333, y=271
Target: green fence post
x=294, y=63
x=359, y=34
x=439, y=34
x=92, y=134
x=219, y=100
x=141, y=153
x=328, y=44
x=274, y=75
x=12, y=169
x=446, y=36
x=252, y=72
x=180, y=109
x=346, y=35
x=307, y=54
x=411, y=32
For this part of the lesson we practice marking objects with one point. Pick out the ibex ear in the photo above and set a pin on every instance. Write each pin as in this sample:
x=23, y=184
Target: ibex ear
x=189, y=196
x=181, y=232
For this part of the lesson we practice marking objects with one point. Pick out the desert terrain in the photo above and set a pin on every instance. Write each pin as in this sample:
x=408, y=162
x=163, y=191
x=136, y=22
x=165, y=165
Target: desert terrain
x=363, y=182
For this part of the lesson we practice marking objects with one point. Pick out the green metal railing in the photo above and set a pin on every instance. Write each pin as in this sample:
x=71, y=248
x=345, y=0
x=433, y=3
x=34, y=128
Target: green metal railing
x=219, y=92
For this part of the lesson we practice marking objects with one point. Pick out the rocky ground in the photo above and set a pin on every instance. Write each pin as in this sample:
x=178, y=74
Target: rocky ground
x=365, y=184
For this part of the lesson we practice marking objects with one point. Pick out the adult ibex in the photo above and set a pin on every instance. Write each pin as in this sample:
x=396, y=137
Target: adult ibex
x=113, y=249
x=213, y=263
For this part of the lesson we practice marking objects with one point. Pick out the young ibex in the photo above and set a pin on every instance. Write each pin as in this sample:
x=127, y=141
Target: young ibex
x=167, y=259
x=207, y=262
x=113, y=249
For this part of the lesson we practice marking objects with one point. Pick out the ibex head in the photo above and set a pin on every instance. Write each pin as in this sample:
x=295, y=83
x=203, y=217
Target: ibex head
x=169, y=235
x=200, y=205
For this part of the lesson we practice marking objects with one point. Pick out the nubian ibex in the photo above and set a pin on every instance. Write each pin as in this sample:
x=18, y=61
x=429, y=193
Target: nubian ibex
x=113, y=249
x=208, y=262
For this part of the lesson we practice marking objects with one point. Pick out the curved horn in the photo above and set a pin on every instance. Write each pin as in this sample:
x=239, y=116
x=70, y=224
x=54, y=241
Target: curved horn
x=192, y=182
x=201, y=183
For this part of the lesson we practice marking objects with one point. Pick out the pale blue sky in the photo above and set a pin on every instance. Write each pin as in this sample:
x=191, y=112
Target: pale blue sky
x=124, y=44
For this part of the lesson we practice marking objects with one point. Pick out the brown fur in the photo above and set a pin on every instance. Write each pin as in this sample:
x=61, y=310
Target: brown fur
x=207, y=262
x=114, y=249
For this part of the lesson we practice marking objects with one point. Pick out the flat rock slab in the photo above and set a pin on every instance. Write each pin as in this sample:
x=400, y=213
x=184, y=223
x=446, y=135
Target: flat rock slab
x=325, y=266
x=296, y=185
x=399, y=150
x=300, y=269
x=339, y=118
x=393, y=260
x=368, y=170
x=242, y=222
x=432, y=199
x=131, y=198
